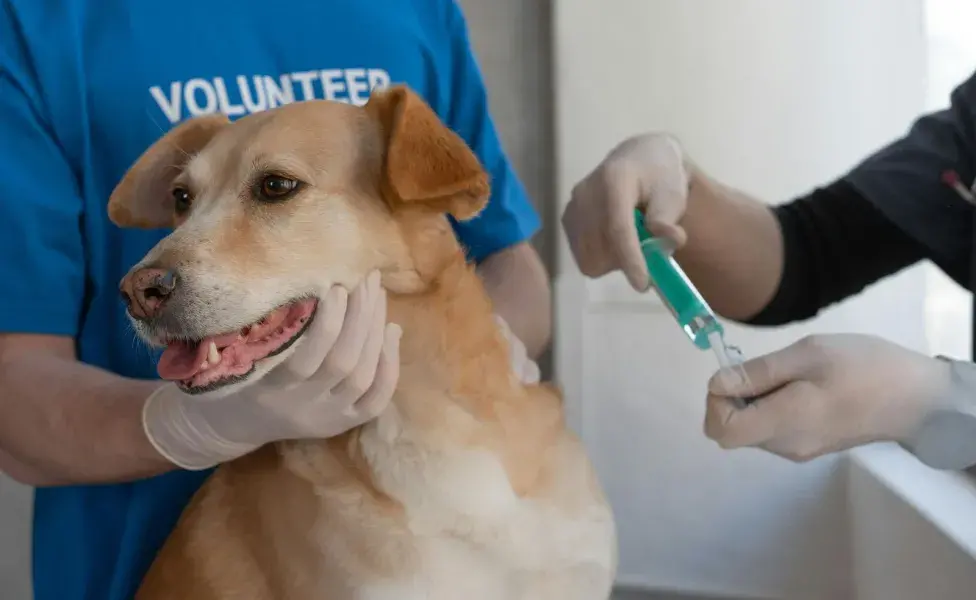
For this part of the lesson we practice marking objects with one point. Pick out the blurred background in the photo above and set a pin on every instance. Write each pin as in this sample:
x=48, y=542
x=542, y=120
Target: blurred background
x=774, y=97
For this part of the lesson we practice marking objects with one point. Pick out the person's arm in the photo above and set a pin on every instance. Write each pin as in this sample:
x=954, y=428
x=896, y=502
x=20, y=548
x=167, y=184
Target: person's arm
x=739, y=250
x=518, y=285
x=64, y=422
x=802, y=256
x=20, y=472
x=497, y=239
x=60, y=421
x=835, y=243
x=734, y=250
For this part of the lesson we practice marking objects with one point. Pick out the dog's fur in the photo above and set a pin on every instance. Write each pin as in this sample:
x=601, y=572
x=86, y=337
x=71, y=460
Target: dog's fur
x=469, y=486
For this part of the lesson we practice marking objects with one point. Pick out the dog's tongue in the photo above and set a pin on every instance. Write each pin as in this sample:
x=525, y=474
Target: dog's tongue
x=183, y=360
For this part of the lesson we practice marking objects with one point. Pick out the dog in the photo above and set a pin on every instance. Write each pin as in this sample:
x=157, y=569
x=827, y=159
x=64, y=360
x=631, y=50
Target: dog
x=469, y=485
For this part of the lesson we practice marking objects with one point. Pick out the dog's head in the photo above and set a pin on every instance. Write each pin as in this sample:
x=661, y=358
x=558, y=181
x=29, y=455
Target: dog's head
x=271, y=210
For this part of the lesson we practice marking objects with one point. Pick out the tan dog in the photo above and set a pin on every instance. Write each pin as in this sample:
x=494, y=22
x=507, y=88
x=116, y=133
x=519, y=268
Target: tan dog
x=468, y=487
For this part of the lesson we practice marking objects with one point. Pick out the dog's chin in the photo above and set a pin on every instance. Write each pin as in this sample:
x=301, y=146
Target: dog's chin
x=224, y=362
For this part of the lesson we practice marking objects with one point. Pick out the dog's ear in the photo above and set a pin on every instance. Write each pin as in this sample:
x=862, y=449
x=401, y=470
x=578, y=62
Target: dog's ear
x=426, y=164
x=143, y=198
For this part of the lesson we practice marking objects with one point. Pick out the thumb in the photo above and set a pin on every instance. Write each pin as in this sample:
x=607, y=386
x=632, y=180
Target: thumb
x=665, y=203
x=762, y=375
x=674, y=235
x=622, y=232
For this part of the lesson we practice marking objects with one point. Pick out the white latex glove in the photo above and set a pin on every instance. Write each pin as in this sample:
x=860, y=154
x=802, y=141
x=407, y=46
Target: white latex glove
x=342, y=374
x=827, y=393
x=649, y=172
x=524, y=367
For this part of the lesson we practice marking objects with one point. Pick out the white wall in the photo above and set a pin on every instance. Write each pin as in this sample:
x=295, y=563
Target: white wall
x=773, y=97
x=912, y=528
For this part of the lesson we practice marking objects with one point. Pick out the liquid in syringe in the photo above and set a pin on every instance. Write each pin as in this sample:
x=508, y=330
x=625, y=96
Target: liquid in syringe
x=685, y=303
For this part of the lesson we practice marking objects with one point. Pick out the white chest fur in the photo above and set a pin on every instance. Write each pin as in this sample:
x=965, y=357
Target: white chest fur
x=473, y=536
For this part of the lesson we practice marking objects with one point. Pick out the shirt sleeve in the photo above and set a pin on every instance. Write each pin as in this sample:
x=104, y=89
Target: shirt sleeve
x=835, y=244
x=510, y=217
x=904, y=179
x=42, y=267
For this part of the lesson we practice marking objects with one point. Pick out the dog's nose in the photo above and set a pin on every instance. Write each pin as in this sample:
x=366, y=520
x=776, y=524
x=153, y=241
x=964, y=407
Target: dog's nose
x=146, y=290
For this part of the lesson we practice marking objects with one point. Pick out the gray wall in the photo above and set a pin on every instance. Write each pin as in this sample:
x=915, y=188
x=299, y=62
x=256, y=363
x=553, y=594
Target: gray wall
x=511, y=39
x=14, y=538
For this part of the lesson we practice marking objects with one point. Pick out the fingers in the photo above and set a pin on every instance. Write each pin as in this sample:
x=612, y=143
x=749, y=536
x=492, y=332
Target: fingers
x=526, y=369
x=530, y=374
x=319, y=339
x=350, y=384
x=621, y=232
x=766, y=373
x=666, y=203
x=782, y=422
x=732, y=427
x=673, y=236
x=378, y=396
x=584, y=232
x=358, y=324
x=771, y=377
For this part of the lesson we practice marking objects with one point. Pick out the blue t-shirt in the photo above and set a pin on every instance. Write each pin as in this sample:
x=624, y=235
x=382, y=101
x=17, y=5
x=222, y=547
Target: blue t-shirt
x=85, y=88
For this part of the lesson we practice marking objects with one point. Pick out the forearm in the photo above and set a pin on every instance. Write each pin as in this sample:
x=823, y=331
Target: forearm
x=774, y=266
x=63, y=422
x=518, y=285
x=734, y=253
x=18, y=471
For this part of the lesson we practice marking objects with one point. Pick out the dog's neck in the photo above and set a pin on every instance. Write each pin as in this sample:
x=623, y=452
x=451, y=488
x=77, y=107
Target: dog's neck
x=456, y=387
x=452, y=342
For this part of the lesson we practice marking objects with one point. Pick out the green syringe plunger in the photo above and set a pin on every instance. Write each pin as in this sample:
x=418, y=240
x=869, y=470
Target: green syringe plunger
x=676, y=290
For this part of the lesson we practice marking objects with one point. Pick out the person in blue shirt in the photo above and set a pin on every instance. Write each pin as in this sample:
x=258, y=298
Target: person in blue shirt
x=85, y=88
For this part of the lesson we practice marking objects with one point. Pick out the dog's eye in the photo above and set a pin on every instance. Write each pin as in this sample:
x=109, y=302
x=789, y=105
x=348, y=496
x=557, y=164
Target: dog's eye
x=276, y=187
x=182, y=199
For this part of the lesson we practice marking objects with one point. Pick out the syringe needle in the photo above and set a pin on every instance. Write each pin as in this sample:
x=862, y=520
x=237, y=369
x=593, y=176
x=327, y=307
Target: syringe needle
x=730, y=359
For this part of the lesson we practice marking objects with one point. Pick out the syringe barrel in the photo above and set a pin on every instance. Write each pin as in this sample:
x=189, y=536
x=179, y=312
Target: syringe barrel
x=676, y=291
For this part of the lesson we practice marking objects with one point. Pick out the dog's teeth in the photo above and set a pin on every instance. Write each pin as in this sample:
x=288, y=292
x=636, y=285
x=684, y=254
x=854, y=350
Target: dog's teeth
x=205, y=365
x=213, y=355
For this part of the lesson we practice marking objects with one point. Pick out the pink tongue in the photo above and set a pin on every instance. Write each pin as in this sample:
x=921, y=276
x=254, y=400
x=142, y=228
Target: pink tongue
x=182, y=360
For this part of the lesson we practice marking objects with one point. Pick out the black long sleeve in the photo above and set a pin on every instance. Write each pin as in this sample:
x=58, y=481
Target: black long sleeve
x=836, y=243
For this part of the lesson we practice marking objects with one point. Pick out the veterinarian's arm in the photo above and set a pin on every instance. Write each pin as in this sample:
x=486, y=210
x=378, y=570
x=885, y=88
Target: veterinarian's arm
x=517, y=282
x=64, y=422
x=774, y=265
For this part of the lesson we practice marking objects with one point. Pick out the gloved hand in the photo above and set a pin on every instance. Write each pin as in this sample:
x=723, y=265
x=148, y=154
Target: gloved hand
x=343, y=374
x=828, y=393
x=649, y=172
x=526, y=369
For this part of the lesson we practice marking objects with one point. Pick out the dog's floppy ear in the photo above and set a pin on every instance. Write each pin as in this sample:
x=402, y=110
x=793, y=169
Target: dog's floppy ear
x=143, y=198
x=426, y=164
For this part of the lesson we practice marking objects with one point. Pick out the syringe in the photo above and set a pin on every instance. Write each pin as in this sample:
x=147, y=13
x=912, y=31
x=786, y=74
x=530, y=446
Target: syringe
x=686, y=304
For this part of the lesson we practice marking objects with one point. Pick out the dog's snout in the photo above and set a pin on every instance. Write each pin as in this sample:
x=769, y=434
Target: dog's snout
x=145, y=291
